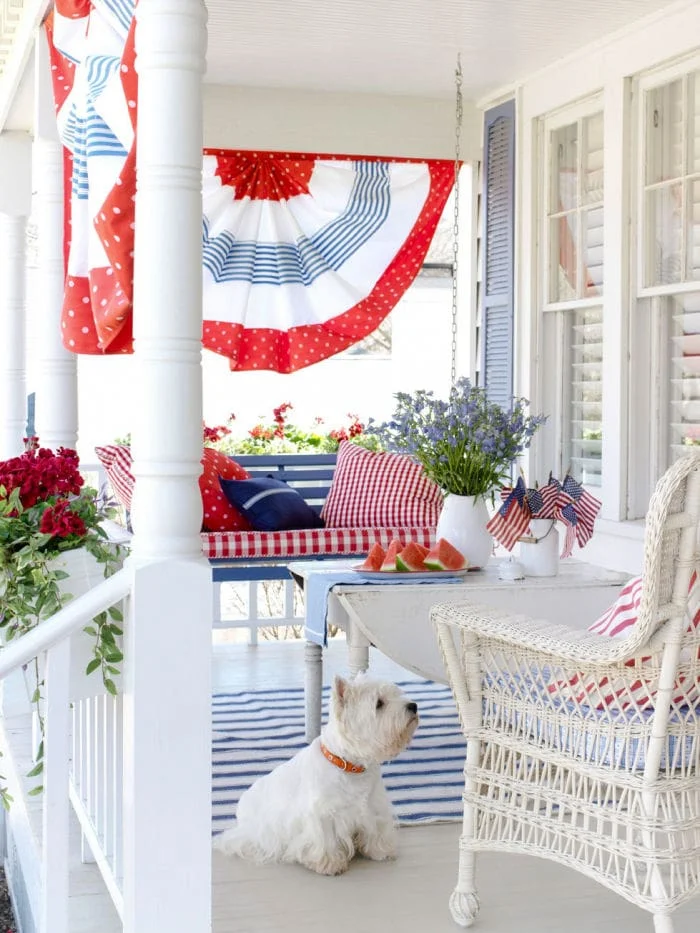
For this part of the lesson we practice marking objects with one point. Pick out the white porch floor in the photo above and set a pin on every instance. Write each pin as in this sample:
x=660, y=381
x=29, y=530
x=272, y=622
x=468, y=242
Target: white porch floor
x=518, y=894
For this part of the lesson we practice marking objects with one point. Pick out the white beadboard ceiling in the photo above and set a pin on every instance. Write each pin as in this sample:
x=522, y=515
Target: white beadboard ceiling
x=402, y=46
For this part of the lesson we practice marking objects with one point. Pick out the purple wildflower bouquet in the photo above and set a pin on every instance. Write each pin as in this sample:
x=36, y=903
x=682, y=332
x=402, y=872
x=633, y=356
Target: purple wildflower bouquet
x=465, y=444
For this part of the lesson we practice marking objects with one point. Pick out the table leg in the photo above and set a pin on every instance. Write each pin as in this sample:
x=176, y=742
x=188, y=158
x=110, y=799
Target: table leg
x=313, y=683
x=358, y=650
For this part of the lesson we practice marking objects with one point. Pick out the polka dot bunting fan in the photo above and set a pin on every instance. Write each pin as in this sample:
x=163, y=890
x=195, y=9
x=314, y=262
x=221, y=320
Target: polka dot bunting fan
x=303, y=255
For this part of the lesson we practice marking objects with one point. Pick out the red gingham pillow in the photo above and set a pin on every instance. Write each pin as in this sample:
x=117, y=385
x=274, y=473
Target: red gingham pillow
x=219, y=515
x=615, y=622
x=380, y=490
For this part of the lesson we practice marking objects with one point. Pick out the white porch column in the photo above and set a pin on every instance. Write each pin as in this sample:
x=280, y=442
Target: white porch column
x=56, y=369
x=167, y=710
x=15, y=199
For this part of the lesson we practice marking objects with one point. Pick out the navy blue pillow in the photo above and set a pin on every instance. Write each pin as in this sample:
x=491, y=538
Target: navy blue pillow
x=270, y=504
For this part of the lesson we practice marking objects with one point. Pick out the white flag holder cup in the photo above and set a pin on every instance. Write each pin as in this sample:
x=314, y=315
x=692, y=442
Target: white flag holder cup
x=539, y=551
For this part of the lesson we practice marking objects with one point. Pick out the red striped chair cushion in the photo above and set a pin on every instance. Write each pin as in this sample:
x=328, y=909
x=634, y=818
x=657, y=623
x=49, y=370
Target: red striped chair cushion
x=307, y=542
x=615, y=623
x=380, y=490
x=219, y=514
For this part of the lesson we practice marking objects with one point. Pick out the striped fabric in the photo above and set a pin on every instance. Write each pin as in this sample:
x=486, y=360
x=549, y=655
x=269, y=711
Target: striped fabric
x=379, y=489
x=256, y=731
x=308, y=542
x=619, y=617
x=116, y=459
x=615, y=622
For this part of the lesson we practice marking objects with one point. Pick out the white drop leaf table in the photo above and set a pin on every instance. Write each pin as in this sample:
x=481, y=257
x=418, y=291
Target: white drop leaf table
x=395, y=619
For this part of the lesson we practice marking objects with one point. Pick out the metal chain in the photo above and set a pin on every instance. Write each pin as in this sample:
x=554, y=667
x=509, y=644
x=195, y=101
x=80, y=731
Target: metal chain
x=455, y=224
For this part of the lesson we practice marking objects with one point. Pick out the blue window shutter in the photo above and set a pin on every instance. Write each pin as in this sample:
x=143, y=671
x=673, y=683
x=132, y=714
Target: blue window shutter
x=31, y=402
x=497, y=308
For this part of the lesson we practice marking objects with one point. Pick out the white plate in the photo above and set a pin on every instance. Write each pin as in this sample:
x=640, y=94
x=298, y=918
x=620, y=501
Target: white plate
x=411, y=575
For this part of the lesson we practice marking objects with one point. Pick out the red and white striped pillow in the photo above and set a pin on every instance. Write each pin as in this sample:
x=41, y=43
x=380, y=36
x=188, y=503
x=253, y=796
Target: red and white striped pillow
x=380, y=490
x=116, y=459
x=219, y=514
x=615, y=622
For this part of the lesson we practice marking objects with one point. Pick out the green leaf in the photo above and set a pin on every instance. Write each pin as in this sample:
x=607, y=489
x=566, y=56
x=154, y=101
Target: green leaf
x=35, y=791
x=36, y=696
x=36, y=770
x=110, y=686
x=113, y=655
x=116, y=614
x=90, y=630
x=93, y=665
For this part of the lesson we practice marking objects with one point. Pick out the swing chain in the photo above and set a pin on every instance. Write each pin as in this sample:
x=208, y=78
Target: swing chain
x=455, y=225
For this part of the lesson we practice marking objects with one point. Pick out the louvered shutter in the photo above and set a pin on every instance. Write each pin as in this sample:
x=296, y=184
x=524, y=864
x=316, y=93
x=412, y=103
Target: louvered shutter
x=498, y=273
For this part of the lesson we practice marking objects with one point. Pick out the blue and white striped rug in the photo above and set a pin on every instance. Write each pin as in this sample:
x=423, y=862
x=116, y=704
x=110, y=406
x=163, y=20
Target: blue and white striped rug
x=257, y=730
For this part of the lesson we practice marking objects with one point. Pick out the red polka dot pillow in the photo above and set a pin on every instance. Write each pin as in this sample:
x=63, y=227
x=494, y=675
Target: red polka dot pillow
x=219, y=515
x=615, y=622
x=380, y=490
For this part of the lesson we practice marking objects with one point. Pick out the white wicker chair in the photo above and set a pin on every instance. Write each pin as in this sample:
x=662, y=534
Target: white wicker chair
x=609, y=788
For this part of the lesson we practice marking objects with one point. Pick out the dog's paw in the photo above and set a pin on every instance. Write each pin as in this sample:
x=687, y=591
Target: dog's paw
x=327, y=865
x=379, y=848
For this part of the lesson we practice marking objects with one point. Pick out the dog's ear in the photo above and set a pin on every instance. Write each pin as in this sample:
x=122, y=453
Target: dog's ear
x=340, y=687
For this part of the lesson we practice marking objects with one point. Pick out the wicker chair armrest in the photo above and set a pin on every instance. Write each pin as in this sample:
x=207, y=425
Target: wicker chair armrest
x=541, y=635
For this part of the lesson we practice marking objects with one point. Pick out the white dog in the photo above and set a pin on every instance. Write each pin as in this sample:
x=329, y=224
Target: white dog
x=328, y=801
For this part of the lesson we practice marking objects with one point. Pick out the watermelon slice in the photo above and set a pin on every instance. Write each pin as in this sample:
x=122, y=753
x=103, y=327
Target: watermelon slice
x=375, y=558
x=411, y=558
x=389, y=564
x=444, y=556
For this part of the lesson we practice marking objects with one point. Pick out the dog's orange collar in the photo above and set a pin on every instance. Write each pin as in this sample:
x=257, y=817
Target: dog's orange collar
x=341, y=763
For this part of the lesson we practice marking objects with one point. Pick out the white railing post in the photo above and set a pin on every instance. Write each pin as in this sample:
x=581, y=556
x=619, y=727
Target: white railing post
x=57, y=748
x=55, y=368
x=15, y=200
x=167, y=696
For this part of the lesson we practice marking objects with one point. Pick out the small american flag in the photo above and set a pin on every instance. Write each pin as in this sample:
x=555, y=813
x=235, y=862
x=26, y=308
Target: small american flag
x=512, y=520
x=567, y=515
x=586, y=507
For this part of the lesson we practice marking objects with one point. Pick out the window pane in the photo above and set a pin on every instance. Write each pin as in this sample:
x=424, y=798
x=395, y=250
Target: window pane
x=692, y=236
x=592, y=236
x=664, y=130
x=583, y=432
x=564, y=193
x=694, y=123
x=592, y=180
x=683, y=324
x=663, y=265
x=563, y=257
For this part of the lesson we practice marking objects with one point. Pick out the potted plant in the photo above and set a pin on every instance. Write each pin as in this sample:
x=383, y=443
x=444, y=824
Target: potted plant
x=467, y=445
x=52, y=548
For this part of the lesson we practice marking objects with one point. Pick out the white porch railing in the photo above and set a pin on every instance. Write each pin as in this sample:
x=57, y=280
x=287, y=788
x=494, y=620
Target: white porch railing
x=96, y=784
x=256, y=604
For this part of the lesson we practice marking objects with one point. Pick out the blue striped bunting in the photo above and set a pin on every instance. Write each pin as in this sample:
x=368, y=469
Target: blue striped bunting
x=257, y=730
x=301, y=263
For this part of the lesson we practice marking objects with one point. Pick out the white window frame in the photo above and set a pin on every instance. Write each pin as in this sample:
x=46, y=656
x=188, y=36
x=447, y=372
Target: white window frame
x=645, y=83
x=650, y=356
x=552, y=384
